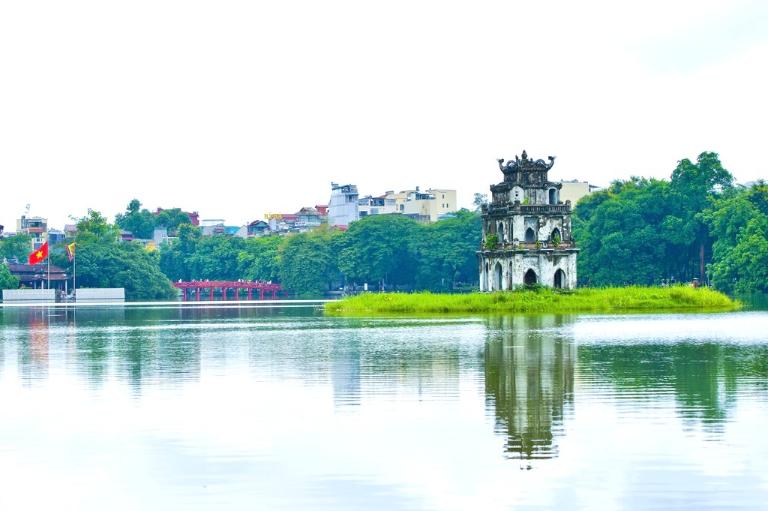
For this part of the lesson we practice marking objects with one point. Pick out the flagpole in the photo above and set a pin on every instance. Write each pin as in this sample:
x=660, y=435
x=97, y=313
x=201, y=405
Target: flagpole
x=49, y=270
x=74, y=275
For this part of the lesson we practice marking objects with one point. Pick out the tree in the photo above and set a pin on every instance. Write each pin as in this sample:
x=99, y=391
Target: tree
x=171, y=219
x=126, y=264
x=479, y=200
x=104, y=261
x=139, y=221
x=7, y=280
x=16, y=247
x=446, y=252
x=308, y=264
x=739, y=225
x=642, y=230
x=379, y=249
x=94, y=228
x=258, y=260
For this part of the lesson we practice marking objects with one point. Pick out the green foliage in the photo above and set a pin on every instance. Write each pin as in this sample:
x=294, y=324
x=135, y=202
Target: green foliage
x=378, y=249
x=171, y=219
x=739, y=224
x=643, y=230
x=104, y=261
x=445, y=252
x=16, y=247
x=127, y=265
x=538, y=300
x=491, y=241
x=141, y=222
x=198, y=257
x=94, y=228
x=7, y=281
x=381, y=250
x=258, y=259
x=307, y=262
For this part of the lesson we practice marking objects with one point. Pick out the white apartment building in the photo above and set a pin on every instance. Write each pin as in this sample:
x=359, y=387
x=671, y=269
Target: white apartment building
x=343, y=206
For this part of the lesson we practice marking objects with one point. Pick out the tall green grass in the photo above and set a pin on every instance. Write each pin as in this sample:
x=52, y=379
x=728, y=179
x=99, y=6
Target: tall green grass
x=616, y=299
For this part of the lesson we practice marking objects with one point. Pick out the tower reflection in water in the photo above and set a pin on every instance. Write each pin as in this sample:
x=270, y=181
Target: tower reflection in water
x=529, y=373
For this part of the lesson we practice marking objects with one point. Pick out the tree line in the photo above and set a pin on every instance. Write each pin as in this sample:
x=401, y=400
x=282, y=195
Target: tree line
x=382, y=251
x=697, y=224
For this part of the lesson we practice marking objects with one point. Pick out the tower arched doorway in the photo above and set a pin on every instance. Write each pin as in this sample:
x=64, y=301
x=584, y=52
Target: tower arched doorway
x=530, y=236
x=485, y=277
x=530, y=278
x=497, y=277
x=553, y=196
x=559, y=279
x=556, y=237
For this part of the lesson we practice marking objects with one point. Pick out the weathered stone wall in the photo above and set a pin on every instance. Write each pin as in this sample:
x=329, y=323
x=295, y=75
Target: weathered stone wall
x=514, y=227
x=514, y=265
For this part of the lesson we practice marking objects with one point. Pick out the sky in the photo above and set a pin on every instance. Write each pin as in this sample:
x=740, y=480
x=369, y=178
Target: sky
x=239, y=108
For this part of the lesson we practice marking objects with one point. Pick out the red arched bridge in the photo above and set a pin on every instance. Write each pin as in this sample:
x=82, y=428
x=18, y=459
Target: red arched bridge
x=197, y=287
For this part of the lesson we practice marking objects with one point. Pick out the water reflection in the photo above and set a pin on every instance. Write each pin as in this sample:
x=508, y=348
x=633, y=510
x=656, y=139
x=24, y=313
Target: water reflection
x=705, y=379
x=529, y=375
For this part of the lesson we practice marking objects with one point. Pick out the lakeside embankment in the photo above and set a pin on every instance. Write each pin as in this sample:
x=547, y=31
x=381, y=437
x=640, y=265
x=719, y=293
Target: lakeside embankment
x=612, y=299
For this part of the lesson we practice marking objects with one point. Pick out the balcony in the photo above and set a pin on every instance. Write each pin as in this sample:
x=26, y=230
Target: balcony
x=543, y=245
x=528, y=209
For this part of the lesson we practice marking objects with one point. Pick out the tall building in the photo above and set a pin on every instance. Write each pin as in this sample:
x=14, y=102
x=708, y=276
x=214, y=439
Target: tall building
x=36, y=227
x=526, y=235
x=343, y=206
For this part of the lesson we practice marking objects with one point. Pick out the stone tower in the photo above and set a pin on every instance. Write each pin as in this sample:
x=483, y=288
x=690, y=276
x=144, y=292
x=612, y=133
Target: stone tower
x=527, y=230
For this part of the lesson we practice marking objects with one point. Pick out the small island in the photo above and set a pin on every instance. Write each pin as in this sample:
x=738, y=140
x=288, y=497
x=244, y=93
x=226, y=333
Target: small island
x=540, y=300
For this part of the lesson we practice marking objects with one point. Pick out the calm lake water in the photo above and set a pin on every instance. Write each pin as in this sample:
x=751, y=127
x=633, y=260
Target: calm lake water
x=281, y=408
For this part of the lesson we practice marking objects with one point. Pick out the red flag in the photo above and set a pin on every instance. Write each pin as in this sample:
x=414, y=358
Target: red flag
x=39, y=255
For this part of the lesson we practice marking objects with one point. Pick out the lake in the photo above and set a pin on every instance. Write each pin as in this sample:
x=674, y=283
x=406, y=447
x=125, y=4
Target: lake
x=250, y=407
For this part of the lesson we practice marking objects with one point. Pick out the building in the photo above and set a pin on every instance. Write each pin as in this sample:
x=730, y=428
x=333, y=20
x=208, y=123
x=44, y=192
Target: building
x=160, y=236
x=575, y=190
x=36, y=276
x=56, y=236
x=343, y=206
x=34, y=226
x=257, y=229
x=383, y=205
x=426, y=206
x=212, y=226
x=526, y=235
x=309, y=218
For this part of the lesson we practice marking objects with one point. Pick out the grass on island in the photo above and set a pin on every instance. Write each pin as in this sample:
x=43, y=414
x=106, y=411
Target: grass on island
x=612, y=299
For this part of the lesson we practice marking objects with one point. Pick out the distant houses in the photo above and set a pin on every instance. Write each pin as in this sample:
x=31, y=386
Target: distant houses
x=423, y=206
x=345, y=206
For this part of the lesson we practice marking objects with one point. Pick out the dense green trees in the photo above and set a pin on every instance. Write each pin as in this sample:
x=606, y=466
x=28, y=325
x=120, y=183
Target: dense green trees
x=17, y=247
x=7, y=281
x=738, y=223
x=695, y=225
x=390, y=251
x=104, y=261
x=308, y=263
x=141, y=222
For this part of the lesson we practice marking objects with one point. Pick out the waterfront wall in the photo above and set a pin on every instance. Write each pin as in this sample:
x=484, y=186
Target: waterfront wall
x=29, y=295
x=106, y=294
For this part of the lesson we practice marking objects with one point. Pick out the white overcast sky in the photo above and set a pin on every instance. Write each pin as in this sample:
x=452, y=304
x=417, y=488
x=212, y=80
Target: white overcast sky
x=237, y=108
